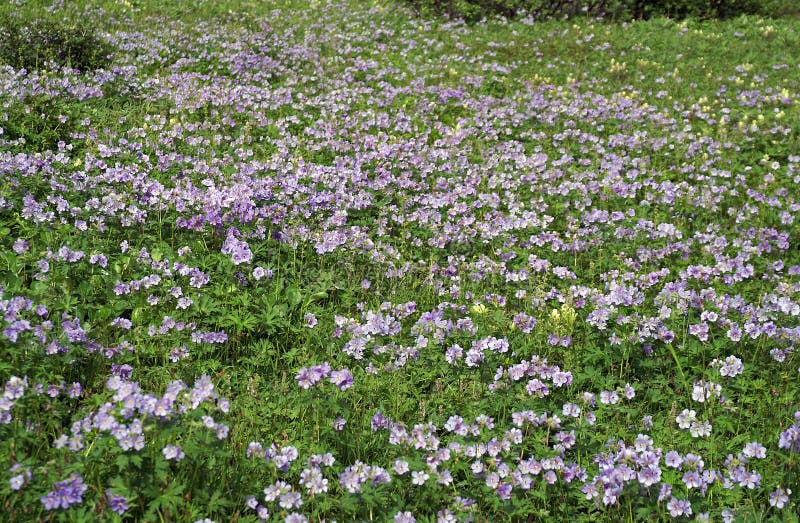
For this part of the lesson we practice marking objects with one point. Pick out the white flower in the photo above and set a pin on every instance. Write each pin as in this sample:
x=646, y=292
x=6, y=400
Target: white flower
x=685, y=418
x=700, y=429
x=400, y=467
x=419, y=477
x=698, y=392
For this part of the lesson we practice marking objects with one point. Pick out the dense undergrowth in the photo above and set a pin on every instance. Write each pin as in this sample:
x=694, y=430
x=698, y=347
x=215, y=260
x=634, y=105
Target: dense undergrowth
x=614, y=10
x=346, y=263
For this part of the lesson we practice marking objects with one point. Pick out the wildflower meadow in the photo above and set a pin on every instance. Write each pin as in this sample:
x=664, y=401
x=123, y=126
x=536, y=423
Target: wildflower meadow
x=337, y=260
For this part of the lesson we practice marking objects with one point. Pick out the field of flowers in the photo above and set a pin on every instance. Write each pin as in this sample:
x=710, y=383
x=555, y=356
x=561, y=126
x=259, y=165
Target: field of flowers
x=322, y=261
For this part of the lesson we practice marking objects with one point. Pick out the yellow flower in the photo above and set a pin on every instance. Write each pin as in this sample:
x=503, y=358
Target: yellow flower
x=479, y=308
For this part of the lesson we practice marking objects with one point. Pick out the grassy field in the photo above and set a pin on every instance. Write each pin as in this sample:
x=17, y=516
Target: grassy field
x=294, y=261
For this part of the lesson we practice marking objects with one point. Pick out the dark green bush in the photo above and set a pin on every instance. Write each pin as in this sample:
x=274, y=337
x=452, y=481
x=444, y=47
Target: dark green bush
x=472, y=10
x=30, y=44
x=695, y=8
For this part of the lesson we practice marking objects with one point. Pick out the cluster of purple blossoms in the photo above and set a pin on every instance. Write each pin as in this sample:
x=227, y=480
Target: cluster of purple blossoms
x=790, y=438
x=311, y=477
x=356, y=476
x=65, y=493
x=14, y=390
x=730, y=367
x=124, y=416
x=281, y=457
x=238, y=250
x=307, y=377
x=539, y=373
x=623, y=465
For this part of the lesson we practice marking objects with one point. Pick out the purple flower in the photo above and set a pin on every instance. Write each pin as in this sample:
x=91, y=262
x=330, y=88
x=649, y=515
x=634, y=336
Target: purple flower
x=65, y=493
x=562, y=378
x=379, y=421
x=238, y=250
x=629, y=392
x=790, y=438
x=779, y=497
x=679, y=507
x=649, y=476
x=74, y=331
x=20, y=246
x=20, y=480
x=692, y=479
x=419, y=477
x=342, y=379
x=260, y=272
x=17, y=482
x=291, y=499
x=608, y=397
x=305, y=378
x=173, y=453
x=755, y=449
x=116, y=503
x=400, y=467
x=313, y=480
x=339, y=423
x=664, y=492
x=98, y=259
x=404, y=517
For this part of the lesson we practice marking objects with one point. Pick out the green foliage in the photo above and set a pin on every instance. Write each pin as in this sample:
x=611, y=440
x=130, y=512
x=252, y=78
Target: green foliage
x=269, y=338
x=31, y=44
x=694, y=8
x=472, y=10
x=38, y=122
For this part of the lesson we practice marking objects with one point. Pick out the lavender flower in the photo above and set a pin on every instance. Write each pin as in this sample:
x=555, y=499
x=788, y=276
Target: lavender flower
x=779, y=497
x=339, y=423
x=342, y=379
x=20, y=246
x=116, y=503
x=173, y=453
x=404, y=517
x=65, y=493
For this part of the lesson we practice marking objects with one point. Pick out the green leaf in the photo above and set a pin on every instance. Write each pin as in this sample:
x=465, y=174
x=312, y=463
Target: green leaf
x=293, y=296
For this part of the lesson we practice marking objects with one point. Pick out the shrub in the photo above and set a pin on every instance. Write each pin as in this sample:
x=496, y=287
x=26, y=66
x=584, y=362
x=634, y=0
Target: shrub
x=30, y=44
x=472, y=10
x=695, y=8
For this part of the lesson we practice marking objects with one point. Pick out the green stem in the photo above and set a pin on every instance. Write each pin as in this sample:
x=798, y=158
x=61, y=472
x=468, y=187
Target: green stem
x=677, y=362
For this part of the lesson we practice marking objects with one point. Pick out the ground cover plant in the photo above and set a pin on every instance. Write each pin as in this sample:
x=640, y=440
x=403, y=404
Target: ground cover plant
x=333, y=261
